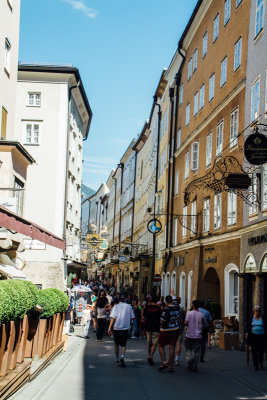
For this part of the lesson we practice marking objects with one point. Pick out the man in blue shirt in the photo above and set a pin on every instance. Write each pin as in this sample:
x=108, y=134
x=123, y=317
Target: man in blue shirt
x=207, y=325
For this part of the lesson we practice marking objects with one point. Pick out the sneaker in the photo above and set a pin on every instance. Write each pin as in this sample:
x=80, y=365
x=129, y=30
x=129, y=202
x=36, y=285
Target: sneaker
x=97, y=340
x=122, y=362
x=177, y=363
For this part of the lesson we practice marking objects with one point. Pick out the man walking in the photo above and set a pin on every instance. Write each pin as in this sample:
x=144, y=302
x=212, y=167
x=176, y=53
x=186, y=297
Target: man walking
x=169, y=333
x=120, y=319
x=205, y=329
x=86, y=320
x=151, y=315
x=194, y=321
x=181, y=318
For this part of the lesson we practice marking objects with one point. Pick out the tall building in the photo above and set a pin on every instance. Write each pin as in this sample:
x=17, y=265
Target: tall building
x=53, y=118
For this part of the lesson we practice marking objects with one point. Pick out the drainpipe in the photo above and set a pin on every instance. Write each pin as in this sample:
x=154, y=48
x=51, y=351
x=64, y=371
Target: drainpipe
x=178, y=81
x=135, y=167
x=171, y=151
x=156, y=189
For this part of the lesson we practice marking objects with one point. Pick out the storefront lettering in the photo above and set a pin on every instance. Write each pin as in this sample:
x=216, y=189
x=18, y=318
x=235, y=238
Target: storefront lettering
x=257, y=240
x=211, y=260
x=209, y=248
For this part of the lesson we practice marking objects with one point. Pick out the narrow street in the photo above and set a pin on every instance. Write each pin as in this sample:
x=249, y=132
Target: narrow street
x=86, y=371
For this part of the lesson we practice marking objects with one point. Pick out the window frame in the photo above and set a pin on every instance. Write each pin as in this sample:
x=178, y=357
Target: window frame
x=201, y=96
x=216, y=24
x=195, y=55
x=193, y=217
x=7, y=55
x=257, y=32
x=231, y=208
x=178, y=139
x=176, y=186
x=212, y=86
x=227, y=11
x=175, y=233
x=206, y=215
x=234, y=136
x=237, y=60
x=184, y=228
x=195, y=156
x=219, y=149
x=196, y=103
x=181, y=93
x=205, y=44
x=208, y=156
x=32, y=134
x=187, y=165
x=217, y=214
x=190, y=65
x=223, y=78
x=253, y=109
x=35, y=104
x=187, y=114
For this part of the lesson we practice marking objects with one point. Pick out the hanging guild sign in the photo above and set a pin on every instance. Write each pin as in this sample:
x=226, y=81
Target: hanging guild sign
x=255, y=149
x=154, y=226
x=94, y=240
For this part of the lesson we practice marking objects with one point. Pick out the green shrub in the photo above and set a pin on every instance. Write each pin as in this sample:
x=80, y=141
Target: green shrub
x=32, y=294
x=7, y=306
x=52, y=301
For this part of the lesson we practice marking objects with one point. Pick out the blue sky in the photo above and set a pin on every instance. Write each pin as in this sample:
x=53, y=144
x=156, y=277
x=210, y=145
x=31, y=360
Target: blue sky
x=120, y=48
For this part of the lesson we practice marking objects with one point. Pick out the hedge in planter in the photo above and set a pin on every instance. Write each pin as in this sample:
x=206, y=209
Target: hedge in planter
x=52, y=301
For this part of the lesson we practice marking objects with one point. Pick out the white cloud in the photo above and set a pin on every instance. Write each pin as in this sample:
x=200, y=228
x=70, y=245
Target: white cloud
x=80, y=6
x=106, y=161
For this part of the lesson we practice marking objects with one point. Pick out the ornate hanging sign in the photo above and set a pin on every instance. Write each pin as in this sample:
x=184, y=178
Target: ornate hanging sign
x=255, y=149
x=154, y=226
x=94, y=240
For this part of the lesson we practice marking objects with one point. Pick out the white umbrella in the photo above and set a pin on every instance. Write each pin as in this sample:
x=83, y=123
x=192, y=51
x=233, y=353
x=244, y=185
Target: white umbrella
x=81, y=288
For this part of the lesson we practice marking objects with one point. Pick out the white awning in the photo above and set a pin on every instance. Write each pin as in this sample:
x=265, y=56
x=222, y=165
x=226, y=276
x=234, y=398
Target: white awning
x=8, y=268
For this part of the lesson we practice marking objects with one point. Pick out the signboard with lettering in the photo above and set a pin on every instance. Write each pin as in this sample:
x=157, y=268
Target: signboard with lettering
x=94, y=240
x=255, y=149
x=11, y=203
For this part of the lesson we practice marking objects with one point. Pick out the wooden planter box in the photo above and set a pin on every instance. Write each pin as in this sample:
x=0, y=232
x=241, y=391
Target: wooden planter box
x=4, y=334
x=18, y=332
x=60, y=331
x=23, y=341
x=31, y=339
x=56, y=325
x=6, y=359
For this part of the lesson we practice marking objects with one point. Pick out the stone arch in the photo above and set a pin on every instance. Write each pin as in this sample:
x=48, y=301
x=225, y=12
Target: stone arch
x=211, y=285
x=250, y=264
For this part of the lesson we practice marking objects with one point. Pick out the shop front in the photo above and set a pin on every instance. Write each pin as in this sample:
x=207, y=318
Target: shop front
x=253, y=277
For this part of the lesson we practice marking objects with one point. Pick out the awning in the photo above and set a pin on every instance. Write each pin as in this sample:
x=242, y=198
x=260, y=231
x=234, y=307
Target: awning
x=76, y=264
x=8, y=268
x=14, y=222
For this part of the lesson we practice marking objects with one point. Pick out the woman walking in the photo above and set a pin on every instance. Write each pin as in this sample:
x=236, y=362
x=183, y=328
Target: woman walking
x=101, y=309
x=256, y=336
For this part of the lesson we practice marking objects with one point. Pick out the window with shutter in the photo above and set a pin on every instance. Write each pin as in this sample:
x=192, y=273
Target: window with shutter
x=206, y=215
x=234, y=128
x=216, y=27
x=193, y=217
x=219, y=139
x=255, y=100
x=231, y=208
x=211, y=87
x=186, y=173
x=194, y=156
x=196, y=103
x=217, y=210
x=175, y=232
x=253, y=191
x=184, y=221
x=176, y=182
x=208, y=149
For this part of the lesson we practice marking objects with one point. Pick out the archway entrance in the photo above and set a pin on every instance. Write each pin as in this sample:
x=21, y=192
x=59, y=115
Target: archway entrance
x=211, y=286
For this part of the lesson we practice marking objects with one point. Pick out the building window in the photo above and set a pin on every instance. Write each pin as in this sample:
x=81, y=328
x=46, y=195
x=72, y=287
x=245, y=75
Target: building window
x=10, y=2
x=211, y=87
x=217, y=210
x=208, y=149
x=7, y=54
x=227, y=11
x=194, y=156
x=184, y=221
x=181, y=94
x=195, y=60
x=238, y=51
x=205, y=45
x=219, y=139
x=190, y=68
x=3, y=123
x=231, y=289
x=176, y=182
x=182, y=288
x=259, y=16
x=201, y=96
x=264, y=187
x=234, y=128
x=175, y=232
x=186, y=171
x=223, y=71
x=216, y=27
x=178, y=142
x=196, y=103
x=206, y=215
x=255, y=100
x=187, y=116
x=164, y=123
x=238, y=2
x=253, y=194
x=34, y=99
x=18, y=194
x=32, y=133
x=194, y=217
x=231, y=208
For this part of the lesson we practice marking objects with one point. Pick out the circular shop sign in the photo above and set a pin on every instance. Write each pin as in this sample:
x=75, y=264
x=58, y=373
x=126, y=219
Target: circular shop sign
x=154, y=226
x=256, y=149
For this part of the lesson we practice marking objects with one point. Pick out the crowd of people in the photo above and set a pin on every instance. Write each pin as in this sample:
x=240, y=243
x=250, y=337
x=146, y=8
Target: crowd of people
x=163, y=322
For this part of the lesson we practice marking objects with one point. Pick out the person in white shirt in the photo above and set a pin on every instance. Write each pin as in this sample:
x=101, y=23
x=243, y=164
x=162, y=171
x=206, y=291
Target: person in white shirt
x=120, y=319
x=86, y=320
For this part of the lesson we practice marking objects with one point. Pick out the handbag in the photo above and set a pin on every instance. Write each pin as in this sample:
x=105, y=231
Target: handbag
x=71, y=328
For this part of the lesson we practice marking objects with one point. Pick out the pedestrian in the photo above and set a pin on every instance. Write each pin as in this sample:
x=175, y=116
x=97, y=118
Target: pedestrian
x=136, y=320
x=194, y=322
x=94, y=311
x=169, y=333
x=256, y=336
x=68, y=318
x=151, y=315
x=120, y=320
x=101, y=310
x=181, y=318
x=86, y=320
x=205, y=330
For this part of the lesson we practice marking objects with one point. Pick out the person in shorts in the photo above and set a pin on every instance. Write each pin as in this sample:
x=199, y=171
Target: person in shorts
x=169, y=333
x=151, y=316
x=120, y=320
